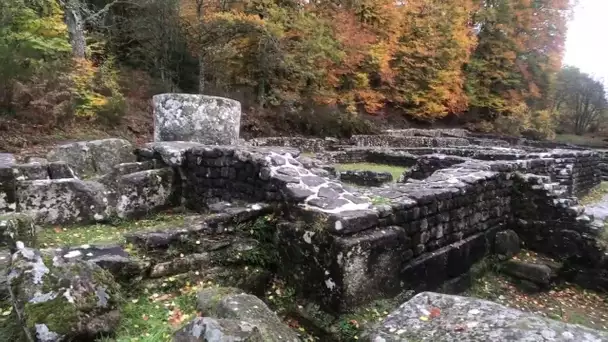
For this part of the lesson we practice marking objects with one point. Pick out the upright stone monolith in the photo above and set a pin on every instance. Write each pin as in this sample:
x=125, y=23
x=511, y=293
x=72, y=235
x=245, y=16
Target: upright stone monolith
x=199, y=118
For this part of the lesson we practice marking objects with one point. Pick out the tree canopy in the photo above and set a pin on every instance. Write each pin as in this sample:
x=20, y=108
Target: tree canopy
x=491, y=62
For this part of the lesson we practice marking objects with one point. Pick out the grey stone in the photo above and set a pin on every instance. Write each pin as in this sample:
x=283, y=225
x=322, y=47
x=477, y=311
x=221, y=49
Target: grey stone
x=507, y=243
x=327, y=203
x=144, y=192
x=473, y=320
x=313, y=181
x=198, y=118
x=297, y=192
x=327, y=192
x=537, y=273
x=36, y=160
x=59, y=170
x=231, y=303
x=125, y=268
x=63, y=298
x=206, y=329
x=96, y=157
x=31, y=171
x=17, y=227
x=7, y=159
x=5, y=262
x=60, y=201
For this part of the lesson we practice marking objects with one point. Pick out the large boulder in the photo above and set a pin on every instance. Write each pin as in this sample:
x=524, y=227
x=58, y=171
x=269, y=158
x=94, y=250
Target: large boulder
x=232, y=303
x=199, y=118
x=64, y=201
x=96, y=157
x=56, y=298
x=206, y=329
x=438, y=317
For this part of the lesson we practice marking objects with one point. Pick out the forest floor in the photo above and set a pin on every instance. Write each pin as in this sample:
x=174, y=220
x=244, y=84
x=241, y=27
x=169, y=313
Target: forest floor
x=563, y=301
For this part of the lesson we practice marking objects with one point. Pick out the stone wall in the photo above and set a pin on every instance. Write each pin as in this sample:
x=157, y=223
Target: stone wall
x=423, y=233
x=405, y=141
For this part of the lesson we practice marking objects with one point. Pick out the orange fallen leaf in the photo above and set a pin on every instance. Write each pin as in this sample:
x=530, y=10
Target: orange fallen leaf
x=435, y=312
x=145, y=317
x=57, y=230
x=176, y=318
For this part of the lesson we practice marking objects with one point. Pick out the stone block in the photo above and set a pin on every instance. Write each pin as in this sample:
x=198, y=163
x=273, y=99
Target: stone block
x=199, y=118
x=96, y=157
x=147, y=191
x=471, y=319
x=64, y=201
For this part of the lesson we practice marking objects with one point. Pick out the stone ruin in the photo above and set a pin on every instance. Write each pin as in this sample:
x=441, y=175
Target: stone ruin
x=340, y=246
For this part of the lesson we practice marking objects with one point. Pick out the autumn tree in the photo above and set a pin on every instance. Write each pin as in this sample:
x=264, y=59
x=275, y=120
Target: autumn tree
x=580, y=100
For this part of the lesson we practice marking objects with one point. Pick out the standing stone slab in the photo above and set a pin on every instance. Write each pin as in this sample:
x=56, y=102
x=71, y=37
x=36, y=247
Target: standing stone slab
x=199, y=118
x=96, y=157
x=470, y=319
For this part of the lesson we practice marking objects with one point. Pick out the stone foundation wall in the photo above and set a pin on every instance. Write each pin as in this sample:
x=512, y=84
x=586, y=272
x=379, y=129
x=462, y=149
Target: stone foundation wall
x=405, y=141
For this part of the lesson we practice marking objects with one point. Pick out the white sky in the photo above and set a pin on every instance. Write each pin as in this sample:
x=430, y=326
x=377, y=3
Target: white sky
x=587, y=41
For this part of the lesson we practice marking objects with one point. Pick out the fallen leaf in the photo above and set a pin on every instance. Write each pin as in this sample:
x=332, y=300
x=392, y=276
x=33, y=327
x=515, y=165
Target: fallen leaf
x=57, y=230
x=144, y=317
x=424, y=318
x=176, y=318
x=435, y=312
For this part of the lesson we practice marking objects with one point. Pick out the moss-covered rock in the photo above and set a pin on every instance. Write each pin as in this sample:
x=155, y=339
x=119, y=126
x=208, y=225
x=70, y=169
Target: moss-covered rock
x=57, y=298
x=232, y=303
x=17, y=227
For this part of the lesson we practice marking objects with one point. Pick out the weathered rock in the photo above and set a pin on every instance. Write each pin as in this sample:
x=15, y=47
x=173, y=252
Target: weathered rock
x=7, y=190
x=199, y=118
x=7, y=159
x=58, y=299
x=96, y=157
x=36, y=160
x=5, y=262
x=60, y=169
x=471, y=320
x=232, y=303
x=537, y=273
x=17, y=227
x=31, y=171
x=506, y=243
x=125, y=268
x=366, y=178
x=206, y=329
x=60, y=201
x=144, y=192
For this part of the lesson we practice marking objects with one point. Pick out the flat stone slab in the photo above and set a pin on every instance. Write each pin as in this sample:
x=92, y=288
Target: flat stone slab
x=438, y=317
x=7, y=159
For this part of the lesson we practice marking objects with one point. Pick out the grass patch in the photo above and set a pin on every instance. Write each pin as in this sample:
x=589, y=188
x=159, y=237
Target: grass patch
x=113, y=232
x=595, y=195
x=396, y=171
x=157, y=313
x=585, y=140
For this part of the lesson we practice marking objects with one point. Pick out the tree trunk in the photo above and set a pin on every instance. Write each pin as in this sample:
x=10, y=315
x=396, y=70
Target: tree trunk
x=75, y=24
x=201, y=75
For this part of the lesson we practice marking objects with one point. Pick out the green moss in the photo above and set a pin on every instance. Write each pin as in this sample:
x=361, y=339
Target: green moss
x=103, y=233
x=58, y=314
x=396, y=171
x=263, y=230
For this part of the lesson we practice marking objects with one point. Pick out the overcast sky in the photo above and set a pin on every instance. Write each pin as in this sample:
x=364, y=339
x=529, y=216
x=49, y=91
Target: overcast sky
x=587, y=42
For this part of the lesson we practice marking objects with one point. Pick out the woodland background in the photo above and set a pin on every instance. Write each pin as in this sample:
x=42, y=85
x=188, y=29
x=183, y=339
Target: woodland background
x=76, y=68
